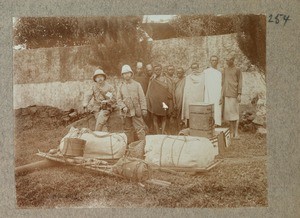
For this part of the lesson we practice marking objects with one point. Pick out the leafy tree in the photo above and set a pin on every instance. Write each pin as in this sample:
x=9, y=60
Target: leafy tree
x=44, y=31
x=114, y=40
x=250, y=29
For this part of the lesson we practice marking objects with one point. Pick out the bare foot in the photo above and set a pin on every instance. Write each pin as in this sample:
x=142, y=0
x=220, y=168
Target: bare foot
x=236, y=138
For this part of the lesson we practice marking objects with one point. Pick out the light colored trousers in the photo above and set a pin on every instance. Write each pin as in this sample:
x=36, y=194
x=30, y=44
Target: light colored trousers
x=138, y=125
x=101, y=120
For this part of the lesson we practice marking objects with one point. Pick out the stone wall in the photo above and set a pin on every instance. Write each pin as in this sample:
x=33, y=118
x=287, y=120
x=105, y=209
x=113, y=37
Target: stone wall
x=62, y=95
x=59, y=64
x=182, y=52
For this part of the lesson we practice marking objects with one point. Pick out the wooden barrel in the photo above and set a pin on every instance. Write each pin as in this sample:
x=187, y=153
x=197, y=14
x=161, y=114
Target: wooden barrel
x=201, y=120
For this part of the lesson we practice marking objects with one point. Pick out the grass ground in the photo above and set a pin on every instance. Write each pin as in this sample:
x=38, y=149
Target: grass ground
x=239, y=181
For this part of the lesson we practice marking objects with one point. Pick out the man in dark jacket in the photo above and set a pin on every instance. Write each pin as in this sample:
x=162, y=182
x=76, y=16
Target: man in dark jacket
x=232, y=91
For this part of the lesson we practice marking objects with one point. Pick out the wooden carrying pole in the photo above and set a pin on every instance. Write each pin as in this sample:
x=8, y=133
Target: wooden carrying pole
x=35, y=166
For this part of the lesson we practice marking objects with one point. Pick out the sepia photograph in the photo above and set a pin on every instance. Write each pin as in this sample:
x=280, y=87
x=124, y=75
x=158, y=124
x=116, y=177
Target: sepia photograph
x=150, y=111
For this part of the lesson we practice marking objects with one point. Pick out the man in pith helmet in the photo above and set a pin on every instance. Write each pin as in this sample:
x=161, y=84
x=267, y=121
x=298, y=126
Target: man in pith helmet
x=104, y=97
x=132, y=102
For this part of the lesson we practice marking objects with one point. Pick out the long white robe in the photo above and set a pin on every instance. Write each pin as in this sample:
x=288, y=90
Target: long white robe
x=212, y=93
x=193, y=92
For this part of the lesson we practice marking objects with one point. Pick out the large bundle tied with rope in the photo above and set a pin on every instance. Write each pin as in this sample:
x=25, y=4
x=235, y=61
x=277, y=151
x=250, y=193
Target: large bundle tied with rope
x=98, y=144
x=179, y=151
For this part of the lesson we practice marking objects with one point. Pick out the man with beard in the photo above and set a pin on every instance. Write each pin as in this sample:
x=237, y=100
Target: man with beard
x=132, y=102
x=213, y=88
x=159, y=98
x=104, y=99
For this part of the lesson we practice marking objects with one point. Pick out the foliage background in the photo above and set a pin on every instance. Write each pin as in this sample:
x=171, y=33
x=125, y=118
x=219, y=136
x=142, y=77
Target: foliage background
x=119, y=40
x=114, y=40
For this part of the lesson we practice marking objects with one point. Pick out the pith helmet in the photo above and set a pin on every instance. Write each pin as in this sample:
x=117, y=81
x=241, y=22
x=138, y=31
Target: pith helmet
x=99, y=72
x=126, y=69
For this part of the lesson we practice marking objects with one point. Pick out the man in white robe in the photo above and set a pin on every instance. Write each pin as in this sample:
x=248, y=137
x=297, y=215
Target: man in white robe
x=193, y=90
x=213, y=88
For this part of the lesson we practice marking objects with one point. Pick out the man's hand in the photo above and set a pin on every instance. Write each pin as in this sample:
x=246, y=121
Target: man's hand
x=144, y=112
x=238, y=98
x=125, y=110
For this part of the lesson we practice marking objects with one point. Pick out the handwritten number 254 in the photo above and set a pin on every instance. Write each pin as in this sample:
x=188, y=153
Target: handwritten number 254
x=278, y=18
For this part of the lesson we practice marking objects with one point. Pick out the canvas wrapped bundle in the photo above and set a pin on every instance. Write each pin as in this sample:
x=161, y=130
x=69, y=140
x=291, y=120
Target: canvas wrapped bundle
x=98, y=144
x=179, y=151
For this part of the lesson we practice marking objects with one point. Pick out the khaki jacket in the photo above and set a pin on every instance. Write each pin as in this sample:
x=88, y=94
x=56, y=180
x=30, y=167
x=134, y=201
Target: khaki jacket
x=131, y=95
x=98, y=93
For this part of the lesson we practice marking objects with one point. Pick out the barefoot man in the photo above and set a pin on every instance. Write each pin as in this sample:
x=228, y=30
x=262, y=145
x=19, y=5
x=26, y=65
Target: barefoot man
x=193, y=91
x=178, y=95
x=159, y=98
x=232, y=91
x=213, y=88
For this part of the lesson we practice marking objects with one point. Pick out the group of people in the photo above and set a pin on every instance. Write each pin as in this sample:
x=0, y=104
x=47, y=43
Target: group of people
x=153, y=98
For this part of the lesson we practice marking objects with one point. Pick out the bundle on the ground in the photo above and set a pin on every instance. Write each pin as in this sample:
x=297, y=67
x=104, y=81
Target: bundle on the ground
x=99, y=144
x=179, y=151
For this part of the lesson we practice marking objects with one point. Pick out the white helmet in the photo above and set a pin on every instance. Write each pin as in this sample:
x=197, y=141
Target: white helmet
x=126, y=69
x=99, y=72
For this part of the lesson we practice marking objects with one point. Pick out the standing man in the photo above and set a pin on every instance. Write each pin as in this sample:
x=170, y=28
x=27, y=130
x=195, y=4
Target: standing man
x=232, y=91
x=149, y=70
x=132, y=102
x=104, y=100
x=171, y=117
x=139, y=69
x=141, y=76
x=193, y=91
x=171, y=73
x=149, y=119
x=213, y=88
x=178, y=96
x=159, y=98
